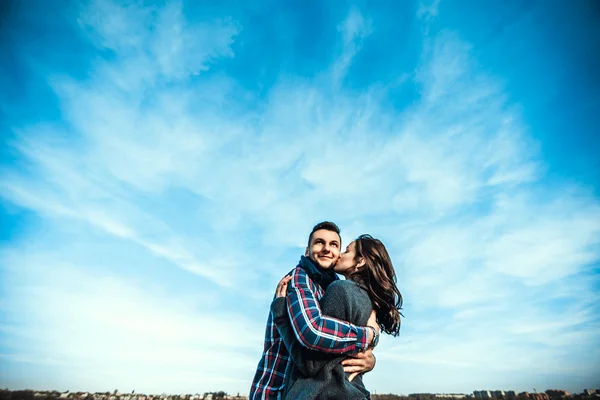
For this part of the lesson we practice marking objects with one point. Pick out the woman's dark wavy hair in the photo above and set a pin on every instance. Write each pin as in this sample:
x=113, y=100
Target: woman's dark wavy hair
x=379, y=277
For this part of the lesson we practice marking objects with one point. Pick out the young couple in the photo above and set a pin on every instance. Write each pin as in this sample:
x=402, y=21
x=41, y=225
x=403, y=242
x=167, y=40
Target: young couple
x=321, y=330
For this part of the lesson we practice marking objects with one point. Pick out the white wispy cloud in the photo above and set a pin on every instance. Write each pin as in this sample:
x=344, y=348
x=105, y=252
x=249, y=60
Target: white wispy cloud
x=96, y=322
x=353, y=30
x=162, y=169
x=428, y=10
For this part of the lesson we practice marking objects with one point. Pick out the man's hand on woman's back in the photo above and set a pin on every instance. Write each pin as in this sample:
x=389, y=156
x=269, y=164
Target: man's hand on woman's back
x=359, y=363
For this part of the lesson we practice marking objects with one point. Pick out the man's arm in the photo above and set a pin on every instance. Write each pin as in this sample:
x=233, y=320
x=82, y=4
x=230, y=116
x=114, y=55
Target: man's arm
x=316, y=331
x=309, y=362
x=295, y=349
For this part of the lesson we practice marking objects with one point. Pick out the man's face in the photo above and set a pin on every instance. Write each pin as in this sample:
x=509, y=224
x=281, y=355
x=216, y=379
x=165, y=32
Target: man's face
x=324, y=248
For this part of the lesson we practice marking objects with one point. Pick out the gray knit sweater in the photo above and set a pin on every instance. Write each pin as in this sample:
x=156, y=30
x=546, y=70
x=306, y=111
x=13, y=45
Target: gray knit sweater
x=317, y=375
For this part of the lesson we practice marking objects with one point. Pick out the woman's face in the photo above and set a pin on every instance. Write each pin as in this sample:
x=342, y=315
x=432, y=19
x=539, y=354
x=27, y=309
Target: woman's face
x=346, y=263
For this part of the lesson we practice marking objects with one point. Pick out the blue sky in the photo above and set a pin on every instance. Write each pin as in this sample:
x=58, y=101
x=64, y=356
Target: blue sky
x=162, y=164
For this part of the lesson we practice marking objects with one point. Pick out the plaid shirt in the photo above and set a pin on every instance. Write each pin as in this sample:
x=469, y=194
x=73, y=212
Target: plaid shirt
x=313, y=330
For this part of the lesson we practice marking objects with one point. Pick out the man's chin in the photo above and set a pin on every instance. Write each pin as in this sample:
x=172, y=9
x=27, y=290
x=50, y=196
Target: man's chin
x=328, y=265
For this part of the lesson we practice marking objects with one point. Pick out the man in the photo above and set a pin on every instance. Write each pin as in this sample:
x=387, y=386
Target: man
x=314, y=331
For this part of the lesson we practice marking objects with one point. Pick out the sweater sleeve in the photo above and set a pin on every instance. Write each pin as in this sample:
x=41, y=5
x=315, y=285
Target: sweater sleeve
x=314, y=330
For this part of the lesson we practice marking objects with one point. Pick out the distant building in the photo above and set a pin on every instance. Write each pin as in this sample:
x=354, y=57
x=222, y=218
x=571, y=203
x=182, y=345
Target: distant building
x=589, y=392
x=557, y=394
x=524, y=396
x=540, y=396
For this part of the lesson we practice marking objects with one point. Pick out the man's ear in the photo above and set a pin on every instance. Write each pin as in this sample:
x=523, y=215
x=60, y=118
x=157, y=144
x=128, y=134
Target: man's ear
x=306, y=252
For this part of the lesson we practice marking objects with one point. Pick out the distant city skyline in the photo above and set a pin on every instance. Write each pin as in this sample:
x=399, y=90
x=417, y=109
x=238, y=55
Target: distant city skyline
x=478, y=394
x=162, y=164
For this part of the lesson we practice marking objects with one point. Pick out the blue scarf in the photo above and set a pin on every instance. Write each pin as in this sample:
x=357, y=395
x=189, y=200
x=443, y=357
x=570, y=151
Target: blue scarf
x=322, y=277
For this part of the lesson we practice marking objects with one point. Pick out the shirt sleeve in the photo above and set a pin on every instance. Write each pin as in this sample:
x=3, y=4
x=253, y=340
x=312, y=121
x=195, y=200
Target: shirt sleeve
x=316, y=331
x=295, y=349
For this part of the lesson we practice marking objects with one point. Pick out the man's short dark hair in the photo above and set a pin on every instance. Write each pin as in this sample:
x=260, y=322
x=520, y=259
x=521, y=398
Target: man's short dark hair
x=328, y=226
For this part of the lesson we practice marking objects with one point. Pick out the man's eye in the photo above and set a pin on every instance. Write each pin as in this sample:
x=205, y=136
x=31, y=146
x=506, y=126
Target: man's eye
x=334, y=244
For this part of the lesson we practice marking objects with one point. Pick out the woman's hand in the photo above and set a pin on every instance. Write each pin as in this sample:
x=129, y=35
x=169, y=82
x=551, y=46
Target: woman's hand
x=281, y=290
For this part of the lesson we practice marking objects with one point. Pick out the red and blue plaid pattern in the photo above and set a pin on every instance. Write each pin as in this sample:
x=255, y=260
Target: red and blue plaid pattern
x=313, y=330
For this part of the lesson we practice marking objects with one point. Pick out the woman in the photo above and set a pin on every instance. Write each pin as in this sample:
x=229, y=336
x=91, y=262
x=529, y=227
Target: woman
x=370, y=285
